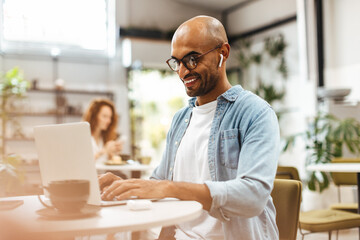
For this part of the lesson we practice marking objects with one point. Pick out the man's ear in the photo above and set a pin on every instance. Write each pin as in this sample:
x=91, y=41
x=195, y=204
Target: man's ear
x=224, y=52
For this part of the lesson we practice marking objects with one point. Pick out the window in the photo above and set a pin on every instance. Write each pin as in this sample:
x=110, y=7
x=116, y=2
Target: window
x=81, y=26
x=151, y=113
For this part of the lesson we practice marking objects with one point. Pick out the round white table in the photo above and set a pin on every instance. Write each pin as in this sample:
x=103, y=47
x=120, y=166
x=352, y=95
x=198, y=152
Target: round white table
x=107, y=220
x=335, y=167
x=339, y=167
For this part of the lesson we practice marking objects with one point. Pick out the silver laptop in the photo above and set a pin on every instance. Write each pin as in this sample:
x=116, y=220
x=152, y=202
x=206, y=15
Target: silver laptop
x=65, y=152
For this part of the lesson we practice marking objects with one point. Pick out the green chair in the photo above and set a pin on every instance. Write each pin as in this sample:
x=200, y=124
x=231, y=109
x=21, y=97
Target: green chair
x=327, y=220
x=286, y=195
x=324, y=220
x=287, y=172
x=344, y=179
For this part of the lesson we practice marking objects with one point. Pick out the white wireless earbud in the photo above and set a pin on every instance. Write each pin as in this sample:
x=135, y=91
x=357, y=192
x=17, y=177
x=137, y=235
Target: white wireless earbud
x=221, y=59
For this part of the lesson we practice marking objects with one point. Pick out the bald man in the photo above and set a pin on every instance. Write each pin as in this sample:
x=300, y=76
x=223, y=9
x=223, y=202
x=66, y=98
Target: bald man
x=222, y=149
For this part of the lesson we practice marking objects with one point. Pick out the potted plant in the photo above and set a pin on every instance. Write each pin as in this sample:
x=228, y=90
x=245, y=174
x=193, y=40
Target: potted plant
x=12, y=87
x=325, y=139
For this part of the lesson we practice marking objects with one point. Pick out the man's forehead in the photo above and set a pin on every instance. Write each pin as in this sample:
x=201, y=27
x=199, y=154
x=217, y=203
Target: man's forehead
x=186, y=43
x=181, y=49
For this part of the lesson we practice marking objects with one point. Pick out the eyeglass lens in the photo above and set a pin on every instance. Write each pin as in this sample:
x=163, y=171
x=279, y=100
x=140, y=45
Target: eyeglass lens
x=189, y=61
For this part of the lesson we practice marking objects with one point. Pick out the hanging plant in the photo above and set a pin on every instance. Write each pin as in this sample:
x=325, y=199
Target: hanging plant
x=273, y=49
x=269, y=92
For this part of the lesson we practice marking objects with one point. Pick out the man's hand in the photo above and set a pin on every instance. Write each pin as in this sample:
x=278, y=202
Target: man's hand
x=155, y=189
x=138, y=188
x=105, y=180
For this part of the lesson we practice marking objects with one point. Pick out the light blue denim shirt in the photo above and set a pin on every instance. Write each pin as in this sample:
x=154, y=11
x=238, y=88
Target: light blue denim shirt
x=243, y=153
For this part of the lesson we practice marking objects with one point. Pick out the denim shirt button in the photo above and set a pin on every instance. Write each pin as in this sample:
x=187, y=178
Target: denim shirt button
x=186, y=120
x=176, y=143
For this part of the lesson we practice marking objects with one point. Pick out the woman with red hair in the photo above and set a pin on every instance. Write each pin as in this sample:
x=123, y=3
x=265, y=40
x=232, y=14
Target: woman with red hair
x=103, y=119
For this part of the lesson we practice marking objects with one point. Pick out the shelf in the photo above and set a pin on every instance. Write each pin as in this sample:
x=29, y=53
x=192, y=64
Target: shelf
x=59, y=92
x=44, y=114
x=72, y=91
x=15, y=139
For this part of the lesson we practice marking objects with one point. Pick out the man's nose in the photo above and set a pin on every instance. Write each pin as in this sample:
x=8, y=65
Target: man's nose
x=183, y=71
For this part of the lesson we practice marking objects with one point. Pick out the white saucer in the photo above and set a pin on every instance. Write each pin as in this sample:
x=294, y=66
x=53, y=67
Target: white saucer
x=86, y=211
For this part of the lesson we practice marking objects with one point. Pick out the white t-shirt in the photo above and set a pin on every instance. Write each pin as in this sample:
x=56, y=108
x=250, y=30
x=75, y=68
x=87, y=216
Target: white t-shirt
x=191, y=165
x=96, y=148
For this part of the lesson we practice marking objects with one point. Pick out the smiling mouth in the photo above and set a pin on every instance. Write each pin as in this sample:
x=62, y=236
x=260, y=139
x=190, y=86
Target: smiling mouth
x=190, y=81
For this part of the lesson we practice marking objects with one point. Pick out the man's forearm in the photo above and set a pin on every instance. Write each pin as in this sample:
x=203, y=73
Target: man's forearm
x=190, y=191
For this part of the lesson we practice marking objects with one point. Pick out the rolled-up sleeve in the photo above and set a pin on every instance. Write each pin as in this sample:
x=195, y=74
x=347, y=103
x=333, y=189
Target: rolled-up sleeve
x=219, y=195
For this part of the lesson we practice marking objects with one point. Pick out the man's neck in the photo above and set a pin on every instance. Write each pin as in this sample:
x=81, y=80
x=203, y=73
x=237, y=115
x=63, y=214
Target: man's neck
x=212, y=96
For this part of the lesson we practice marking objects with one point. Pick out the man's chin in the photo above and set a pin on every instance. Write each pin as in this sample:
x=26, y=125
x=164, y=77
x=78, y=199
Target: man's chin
x=191, y=93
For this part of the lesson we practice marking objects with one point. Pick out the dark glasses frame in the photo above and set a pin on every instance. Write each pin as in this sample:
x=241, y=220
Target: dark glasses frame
x=194, y=58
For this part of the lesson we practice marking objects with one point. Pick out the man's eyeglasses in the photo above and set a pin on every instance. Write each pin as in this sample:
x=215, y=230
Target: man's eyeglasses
x=189, y=61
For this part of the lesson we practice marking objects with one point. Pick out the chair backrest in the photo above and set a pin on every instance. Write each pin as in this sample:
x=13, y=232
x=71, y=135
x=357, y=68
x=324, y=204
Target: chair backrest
x=287, y=198
x=287, y=172
x=340, y=178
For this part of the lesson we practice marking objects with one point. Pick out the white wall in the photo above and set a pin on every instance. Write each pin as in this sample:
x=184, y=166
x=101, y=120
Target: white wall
x=342, y=34
x=342, y=48
x=259, y=13
x=149, y=53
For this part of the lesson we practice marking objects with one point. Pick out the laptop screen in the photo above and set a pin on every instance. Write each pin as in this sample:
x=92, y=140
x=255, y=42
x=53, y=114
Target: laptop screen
x=65, y=152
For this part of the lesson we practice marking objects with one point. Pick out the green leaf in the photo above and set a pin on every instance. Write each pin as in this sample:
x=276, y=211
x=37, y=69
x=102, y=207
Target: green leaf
x=325, y=183
x=311, y=182
x=256, y=58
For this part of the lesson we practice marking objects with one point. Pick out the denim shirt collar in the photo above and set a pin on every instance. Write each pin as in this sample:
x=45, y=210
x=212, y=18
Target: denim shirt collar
x=230, y=95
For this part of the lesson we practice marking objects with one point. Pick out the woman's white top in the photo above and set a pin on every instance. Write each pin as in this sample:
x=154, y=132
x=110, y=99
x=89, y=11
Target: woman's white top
x=97, y=148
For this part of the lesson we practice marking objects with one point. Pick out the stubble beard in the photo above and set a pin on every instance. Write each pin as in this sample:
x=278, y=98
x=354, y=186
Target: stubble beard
x=204, y=88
